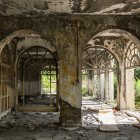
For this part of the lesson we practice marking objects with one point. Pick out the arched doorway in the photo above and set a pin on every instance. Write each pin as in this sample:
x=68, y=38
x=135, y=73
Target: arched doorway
x=111, y=53
x=132, y=76
x=6, y=79
x=99, y=74
x=12, y=49
x=36, y=79
x=118, y=41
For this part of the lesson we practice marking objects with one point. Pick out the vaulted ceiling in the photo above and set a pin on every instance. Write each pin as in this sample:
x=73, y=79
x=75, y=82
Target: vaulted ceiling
x=31, y=7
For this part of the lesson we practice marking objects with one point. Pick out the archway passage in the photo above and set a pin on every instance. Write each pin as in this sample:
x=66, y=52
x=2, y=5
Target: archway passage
x=132, y=68
x=37, y=79
x=99, y=75
x=125, y=47
x=110, y=59
x=6, y=80
x=29, y=72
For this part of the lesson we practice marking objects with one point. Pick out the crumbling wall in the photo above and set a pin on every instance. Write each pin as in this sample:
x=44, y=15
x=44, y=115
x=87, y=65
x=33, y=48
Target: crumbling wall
x=34, y=7
x=69, y=34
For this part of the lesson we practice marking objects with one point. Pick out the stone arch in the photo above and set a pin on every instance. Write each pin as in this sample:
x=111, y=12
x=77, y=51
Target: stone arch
x=43, y=47
x=37, y=60
x=23, y=33
x=125, y=33
x=132, y=56
x=101, y=46
x=99, y=63
x=25, y=39
x=116, y=41
x=118, y=32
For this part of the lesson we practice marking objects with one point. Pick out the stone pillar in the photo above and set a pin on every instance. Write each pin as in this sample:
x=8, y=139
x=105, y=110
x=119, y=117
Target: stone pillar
x=121, y=101
x=129, y=90
x=111, y=86
x=70, y=95
x=90, y=82
x=106, y=85
x=102, y=86
x=96, y=86
x=70, y=84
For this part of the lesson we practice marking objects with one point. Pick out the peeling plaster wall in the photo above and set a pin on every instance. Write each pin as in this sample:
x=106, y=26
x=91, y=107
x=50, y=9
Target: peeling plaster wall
x=14, y=7
x=33, y=7
x=35, y=41
x=62, y=31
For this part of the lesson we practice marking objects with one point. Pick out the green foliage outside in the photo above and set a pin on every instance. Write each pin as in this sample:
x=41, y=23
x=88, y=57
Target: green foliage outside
x=84, y=91
x=137, y=93
x=84, y=84
x=137, y=74
x=115, y=87
x=137, y=87
x=45, y=84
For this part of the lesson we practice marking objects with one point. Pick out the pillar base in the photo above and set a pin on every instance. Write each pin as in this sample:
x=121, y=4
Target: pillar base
x=69, y=116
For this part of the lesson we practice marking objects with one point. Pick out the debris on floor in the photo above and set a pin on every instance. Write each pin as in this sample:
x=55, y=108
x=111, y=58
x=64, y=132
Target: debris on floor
x=137, y=125
x=133, y=114
x=43, y=126
x=29, y=120
x=108, y=122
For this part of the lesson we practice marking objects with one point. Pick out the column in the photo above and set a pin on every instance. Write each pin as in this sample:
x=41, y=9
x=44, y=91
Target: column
x=95, y=84
x=111, y=86
x=70, y=79
x=98, y=84
x=106, y=85
x=121, y=98
x=130, y=92
x=102, y=86
x=90, y=82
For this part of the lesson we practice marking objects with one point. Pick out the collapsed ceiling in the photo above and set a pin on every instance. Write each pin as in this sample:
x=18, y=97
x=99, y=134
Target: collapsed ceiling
x=32, y=7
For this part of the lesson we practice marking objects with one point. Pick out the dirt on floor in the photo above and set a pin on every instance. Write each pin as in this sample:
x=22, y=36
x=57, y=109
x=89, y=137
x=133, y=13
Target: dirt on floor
x=127, y=132
x=45, y=126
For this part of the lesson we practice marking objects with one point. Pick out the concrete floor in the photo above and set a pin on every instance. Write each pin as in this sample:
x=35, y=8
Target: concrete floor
x=43, y=126
x=127, y=132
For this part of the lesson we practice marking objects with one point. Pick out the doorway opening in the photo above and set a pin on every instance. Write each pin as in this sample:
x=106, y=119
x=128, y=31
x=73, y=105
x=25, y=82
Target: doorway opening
x=99, y=76
x=37, y=80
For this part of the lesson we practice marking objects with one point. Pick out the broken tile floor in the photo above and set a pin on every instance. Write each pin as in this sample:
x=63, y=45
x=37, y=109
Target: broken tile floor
x=99, y=122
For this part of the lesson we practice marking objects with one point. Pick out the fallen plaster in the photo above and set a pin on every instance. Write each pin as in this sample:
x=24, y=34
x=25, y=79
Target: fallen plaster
x=96, y=114
x=42, y=126
x=5, y=113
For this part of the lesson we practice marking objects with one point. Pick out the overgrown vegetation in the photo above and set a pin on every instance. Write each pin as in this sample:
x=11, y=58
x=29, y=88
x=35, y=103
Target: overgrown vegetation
x=46, y=85
x=84, y=91
x=115, y=87
x=84, y=85
x=137, y=87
